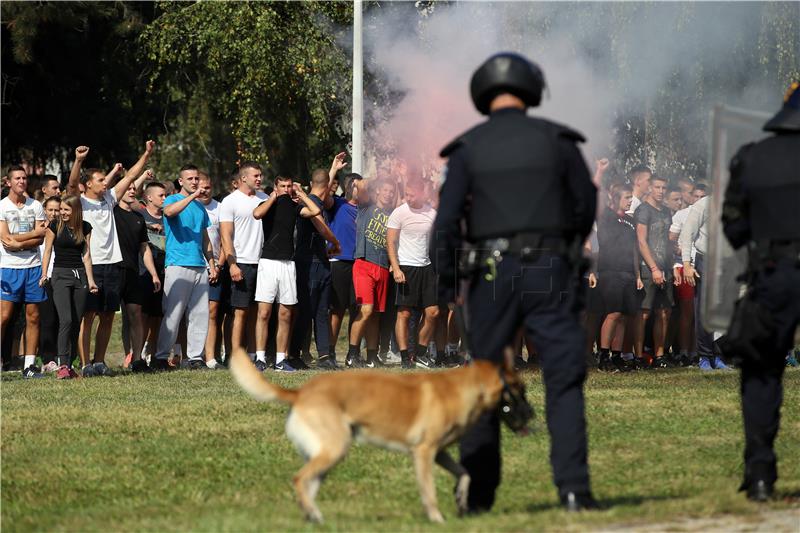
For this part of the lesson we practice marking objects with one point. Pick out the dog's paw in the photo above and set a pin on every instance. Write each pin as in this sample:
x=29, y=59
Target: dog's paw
x=315, y=516
x=435, y=516
x=462, y=492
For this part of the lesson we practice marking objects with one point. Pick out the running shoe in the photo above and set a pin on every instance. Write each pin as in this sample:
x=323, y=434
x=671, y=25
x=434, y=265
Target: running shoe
x=284, y=366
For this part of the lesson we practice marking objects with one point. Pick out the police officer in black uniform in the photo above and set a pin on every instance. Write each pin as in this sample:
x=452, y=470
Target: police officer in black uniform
x=761, y=210
x=524, y=193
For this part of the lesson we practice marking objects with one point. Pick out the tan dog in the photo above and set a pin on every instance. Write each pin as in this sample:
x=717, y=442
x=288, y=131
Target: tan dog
x=420, y=413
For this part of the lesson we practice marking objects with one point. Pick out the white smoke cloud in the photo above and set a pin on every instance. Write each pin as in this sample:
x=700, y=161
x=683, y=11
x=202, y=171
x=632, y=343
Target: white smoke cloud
x=602, y=61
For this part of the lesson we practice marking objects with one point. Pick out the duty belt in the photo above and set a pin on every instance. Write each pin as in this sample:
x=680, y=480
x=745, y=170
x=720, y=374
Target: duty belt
x=525, y=246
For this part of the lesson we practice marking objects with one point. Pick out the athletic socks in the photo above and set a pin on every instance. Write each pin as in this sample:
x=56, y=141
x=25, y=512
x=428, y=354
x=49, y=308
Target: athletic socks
x=261, y=355
x=404, y=355
x=279, y=357
x=440, y=357
x=30, y=360
x=353, y=351
x=372, y=355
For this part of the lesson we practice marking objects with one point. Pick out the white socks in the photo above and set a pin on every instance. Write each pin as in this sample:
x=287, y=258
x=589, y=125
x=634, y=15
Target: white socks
x=212, y=363
x=261, y=355
x=280, y=356
x=30, y=360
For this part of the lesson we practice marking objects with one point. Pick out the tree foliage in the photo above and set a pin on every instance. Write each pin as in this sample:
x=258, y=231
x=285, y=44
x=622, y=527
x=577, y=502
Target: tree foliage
x=270, y=73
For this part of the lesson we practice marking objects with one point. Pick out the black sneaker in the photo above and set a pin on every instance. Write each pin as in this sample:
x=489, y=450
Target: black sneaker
x=407, y=363
x=327, y=362
x=760, y=491
x=574, y=502
x=100, y=369
x=424, y=361
x=454, y=360
x=261, y=365
x=197, y=364
x=297, y=363
x=88, y=371
x=619, y=364
x=161, y=365
x=140, y=367
x=354, y=361
x=604, y=362
x=661, y=362
x=375, y=362
x=32, y=373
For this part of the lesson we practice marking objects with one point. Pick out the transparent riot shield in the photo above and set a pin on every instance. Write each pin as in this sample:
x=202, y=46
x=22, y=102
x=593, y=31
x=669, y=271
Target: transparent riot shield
x=730, y=129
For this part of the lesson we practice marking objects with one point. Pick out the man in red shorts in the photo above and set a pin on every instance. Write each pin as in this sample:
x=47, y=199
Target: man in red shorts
x=370, y=269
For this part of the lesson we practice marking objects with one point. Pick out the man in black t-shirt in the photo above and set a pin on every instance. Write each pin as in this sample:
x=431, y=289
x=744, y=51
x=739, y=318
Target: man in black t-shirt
x=653, y=221
x=314, y=275
x=277, y=277
x=133, y=240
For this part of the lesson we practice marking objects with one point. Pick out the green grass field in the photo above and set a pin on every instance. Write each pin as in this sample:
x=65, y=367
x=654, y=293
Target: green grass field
x=189, y=451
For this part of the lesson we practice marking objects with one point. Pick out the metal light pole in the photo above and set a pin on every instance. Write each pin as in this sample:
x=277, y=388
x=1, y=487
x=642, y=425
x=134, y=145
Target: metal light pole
x=358, y=89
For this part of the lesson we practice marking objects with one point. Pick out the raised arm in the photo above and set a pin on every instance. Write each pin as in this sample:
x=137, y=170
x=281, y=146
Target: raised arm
x=75, y=174
x=262, y=209
x=337, y=165
x=174, y=209
x=311, y=209
x=135, y=171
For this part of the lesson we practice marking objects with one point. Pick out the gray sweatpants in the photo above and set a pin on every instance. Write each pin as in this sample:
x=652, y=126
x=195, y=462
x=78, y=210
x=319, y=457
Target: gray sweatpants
x=185, y=291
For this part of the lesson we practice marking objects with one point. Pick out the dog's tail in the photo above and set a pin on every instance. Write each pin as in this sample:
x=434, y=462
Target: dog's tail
x=254, y=383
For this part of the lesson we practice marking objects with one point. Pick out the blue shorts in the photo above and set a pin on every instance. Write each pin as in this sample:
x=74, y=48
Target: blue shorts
x=22, y=285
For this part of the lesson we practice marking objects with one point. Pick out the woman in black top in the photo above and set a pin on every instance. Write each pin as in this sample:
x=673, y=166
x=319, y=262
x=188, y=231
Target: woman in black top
x=618, y=278
x=72, y=274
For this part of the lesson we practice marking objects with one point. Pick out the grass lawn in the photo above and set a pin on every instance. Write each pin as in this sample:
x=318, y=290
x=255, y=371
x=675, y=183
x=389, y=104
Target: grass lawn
x=189, y=451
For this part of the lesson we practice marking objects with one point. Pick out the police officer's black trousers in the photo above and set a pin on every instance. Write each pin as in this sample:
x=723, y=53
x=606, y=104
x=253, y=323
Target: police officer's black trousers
x=539, y=295
x=761, y=383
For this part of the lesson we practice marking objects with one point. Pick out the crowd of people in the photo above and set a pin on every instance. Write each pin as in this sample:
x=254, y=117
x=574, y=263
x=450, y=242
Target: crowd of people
x=268, y=267
x=196, y=275
x=644, y=295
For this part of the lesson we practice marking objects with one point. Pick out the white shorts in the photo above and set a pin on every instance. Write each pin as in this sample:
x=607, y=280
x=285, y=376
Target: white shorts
x=276, y=282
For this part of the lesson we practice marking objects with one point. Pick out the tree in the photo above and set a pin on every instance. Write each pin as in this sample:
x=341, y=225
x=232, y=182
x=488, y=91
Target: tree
x=270, y=73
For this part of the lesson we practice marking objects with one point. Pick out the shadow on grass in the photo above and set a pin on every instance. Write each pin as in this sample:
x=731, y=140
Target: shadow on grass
x=605, y=503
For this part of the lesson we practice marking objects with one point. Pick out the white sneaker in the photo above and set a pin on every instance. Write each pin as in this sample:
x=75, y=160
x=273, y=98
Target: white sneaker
x=390, y=358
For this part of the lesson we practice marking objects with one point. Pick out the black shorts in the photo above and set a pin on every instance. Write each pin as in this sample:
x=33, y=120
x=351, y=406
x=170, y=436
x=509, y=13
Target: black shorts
x=419, y=290
x=656, y=297
x=343, y=295
x=151, y=301
x=131, y=291
x=221, y=290
x=109, y=279
x=243, y=293
x=618, y=294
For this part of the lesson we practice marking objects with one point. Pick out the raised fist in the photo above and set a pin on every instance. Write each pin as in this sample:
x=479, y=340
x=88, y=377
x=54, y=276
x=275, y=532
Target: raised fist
x=149, y=146
x=81, y=152
x=602, y=164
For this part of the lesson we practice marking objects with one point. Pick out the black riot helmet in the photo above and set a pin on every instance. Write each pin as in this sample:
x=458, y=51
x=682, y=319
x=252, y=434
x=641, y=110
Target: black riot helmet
x=788, y=118
x=506, y=72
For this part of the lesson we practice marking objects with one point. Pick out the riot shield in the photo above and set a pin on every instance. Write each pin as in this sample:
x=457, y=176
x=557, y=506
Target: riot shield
x=730, y=129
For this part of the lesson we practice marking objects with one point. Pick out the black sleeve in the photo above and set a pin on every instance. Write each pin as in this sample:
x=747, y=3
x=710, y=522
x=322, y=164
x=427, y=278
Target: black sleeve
x=143, y=233
x=446, y=238
x=87, y=228
x=735, y=208
x=53, y=226
x=582, y=192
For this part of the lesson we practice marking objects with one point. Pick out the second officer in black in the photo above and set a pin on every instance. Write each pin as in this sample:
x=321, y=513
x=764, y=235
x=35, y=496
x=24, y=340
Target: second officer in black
x=520, y=190
x=760, y=211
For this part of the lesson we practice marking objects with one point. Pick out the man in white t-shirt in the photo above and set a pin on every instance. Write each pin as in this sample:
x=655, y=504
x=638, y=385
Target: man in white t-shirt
x=640, y=180
x=22, y=229
x=407, y=237
x=98, y=203
x=242, y=238
x=218, y=292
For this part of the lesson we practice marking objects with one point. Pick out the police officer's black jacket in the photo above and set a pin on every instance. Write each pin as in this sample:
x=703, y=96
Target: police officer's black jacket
x=762, y=202
x=512, y=174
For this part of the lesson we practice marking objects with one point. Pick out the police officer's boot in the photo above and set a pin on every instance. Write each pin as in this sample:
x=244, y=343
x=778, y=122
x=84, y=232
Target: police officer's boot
x=759, y=482
x=579, y=501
